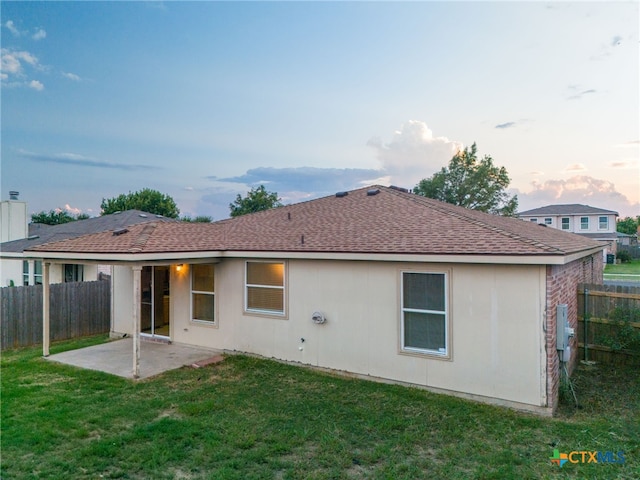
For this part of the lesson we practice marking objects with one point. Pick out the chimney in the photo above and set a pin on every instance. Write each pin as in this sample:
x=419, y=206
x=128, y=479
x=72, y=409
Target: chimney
x=13, y=195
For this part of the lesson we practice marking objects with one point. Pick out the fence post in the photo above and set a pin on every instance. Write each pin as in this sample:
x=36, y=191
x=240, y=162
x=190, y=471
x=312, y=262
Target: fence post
x=585, y=316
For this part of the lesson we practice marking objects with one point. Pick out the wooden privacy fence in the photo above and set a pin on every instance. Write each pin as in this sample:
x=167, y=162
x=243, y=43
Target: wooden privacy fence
x=609, y=319
x=76, y=309
x=632, y=250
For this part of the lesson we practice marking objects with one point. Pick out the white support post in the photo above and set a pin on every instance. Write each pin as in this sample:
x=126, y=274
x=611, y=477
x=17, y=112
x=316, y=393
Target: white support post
x=31, y=272
x=45, y=309
x=137, y=300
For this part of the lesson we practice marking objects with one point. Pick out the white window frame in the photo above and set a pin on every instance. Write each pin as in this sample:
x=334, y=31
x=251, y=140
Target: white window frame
x=584, y=225
x=606, y=223
x=568, y=223
x=548, y=221
x=203, y=292
x=533, y=220
x=275, y=313
x=440, y=353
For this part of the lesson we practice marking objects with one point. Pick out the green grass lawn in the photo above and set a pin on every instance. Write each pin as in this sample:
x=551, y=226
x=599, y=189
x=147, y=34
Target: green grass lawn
x=249, y=418
x=632, y=267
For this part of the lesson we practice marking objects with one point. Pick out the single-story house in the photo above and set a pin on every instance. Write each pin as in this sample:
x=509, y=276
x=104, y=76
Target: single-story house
x=17, y=270
x=376, y=282
x=591, y=222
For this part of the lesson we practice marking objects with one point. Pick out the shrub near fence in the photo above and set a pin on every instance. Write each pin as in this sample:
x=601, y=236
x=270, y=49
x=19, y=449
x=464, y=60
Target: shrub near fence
x=76, y=309
x=613, y=324
x=632, y=250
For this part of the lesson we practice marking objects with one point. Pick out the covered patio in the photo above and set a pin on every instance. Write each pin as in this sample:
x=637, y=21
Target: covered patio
x=116, y=357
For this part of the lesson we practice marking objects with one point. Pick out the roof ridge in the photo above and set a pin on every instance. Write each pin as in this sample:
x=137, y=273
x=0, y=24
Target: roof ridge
x=143, y=237
x=443, y=208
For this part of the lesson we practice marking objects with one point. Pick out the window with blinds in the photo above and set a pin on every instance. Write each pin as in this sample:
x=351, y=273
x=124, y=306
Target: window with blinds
x=264, y=287
x=203, y=293
x=424, y=312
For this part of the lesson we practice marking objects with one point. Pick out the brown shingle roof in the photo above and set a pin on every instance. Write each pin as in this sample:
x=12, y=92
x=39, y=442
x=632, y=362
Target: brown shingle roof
x=389, y=222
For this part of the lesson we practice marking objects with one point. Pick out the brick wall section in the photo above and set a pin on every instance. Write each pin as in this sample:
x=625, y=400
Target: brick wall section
x=562, y=287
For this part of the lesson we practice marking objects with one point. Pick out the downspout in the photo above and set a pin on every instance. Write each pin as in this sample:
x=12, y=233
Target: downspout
x=46, y=310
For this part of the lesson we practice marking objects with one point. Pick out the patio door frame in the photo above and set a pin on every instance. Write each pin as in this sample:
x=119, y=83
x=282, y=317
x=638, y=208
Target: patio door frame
x=155, y=301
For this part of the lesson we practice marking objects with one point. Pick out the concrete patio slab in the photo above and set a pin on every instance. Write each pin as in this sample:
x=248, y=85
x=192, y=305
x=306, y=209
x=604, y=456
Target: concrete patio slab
x=116, y=357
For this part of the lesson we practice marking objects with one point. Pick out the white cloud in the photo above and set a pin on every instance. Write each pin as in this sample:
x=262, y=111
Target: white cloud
x=72, y=210
x=71, y=76
x=39, y=35
x=12, y=28
x=575, y=167
x=625, y=163
x=413, y=153
x=36, y=85
x=581, y=189
x=12, y=62
x=576, y=92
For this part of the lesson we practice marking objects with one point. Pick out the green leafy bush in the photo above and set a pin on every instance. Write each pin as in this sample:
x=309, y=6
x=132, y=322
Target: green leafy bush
x=623, y=256
x=625, y=336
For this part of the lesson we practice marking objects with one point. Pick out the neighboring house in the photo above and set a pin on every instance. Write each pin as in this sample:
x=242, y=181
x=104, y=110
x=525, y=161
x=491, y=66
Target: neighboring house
x=376, y=282
x=17, y=270
x=590, y=222
x=626, y=239
x=13, y=218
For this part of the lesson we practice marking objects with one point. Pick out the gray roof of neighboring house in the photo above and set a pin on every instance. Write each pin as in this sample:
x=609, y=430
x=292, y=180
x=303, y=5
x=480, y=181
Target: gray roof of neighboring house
x=569, y=209
x=40, y=233
x=600, y=236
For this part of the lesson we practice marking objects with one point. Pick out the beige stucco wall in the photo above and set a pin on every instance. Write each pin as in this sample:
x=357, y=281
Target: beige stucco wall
x=11, y=269
x=496, y=317
x=121, y=300
x=90, y=273
x=13, y=220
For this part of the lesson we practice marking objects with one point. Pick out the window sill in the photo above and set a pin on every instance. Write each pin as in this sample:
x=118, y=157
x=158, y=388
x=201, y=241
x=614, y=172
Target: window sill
x=426, y=354
x=265, y=314
x=204, y=323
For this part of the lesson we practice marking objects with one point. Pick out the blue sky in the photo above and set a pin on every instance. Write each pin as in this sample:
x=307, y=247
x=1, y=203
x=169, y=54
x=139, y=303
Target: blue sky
x=204, y=100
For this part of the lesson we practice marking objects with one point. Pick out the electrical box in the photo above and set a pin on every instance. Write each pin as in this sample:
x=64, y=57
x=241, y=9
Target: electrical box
x=563, y=332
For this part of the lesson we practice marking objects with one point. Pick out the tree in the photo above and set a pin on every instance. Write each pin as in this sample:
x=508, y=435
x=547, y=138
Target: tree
x=628, y=225
x=469, y=183
x=147, y=200
x=257, y=199
x=56, y=217
x=197, y=219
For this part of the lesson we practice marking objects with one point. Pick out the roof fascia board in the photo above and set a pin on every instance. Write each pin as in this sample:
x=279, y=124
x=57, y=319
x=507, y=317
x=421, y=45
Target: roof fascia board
x=575, y=256
x=12, y=255
x=126, y=258
x=195, y=257
x=417, y=258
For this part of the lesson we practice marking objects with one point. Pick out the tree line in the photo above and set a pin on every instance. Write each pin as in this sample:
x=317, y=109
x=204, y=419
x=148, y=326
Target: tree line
x=467, y=181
